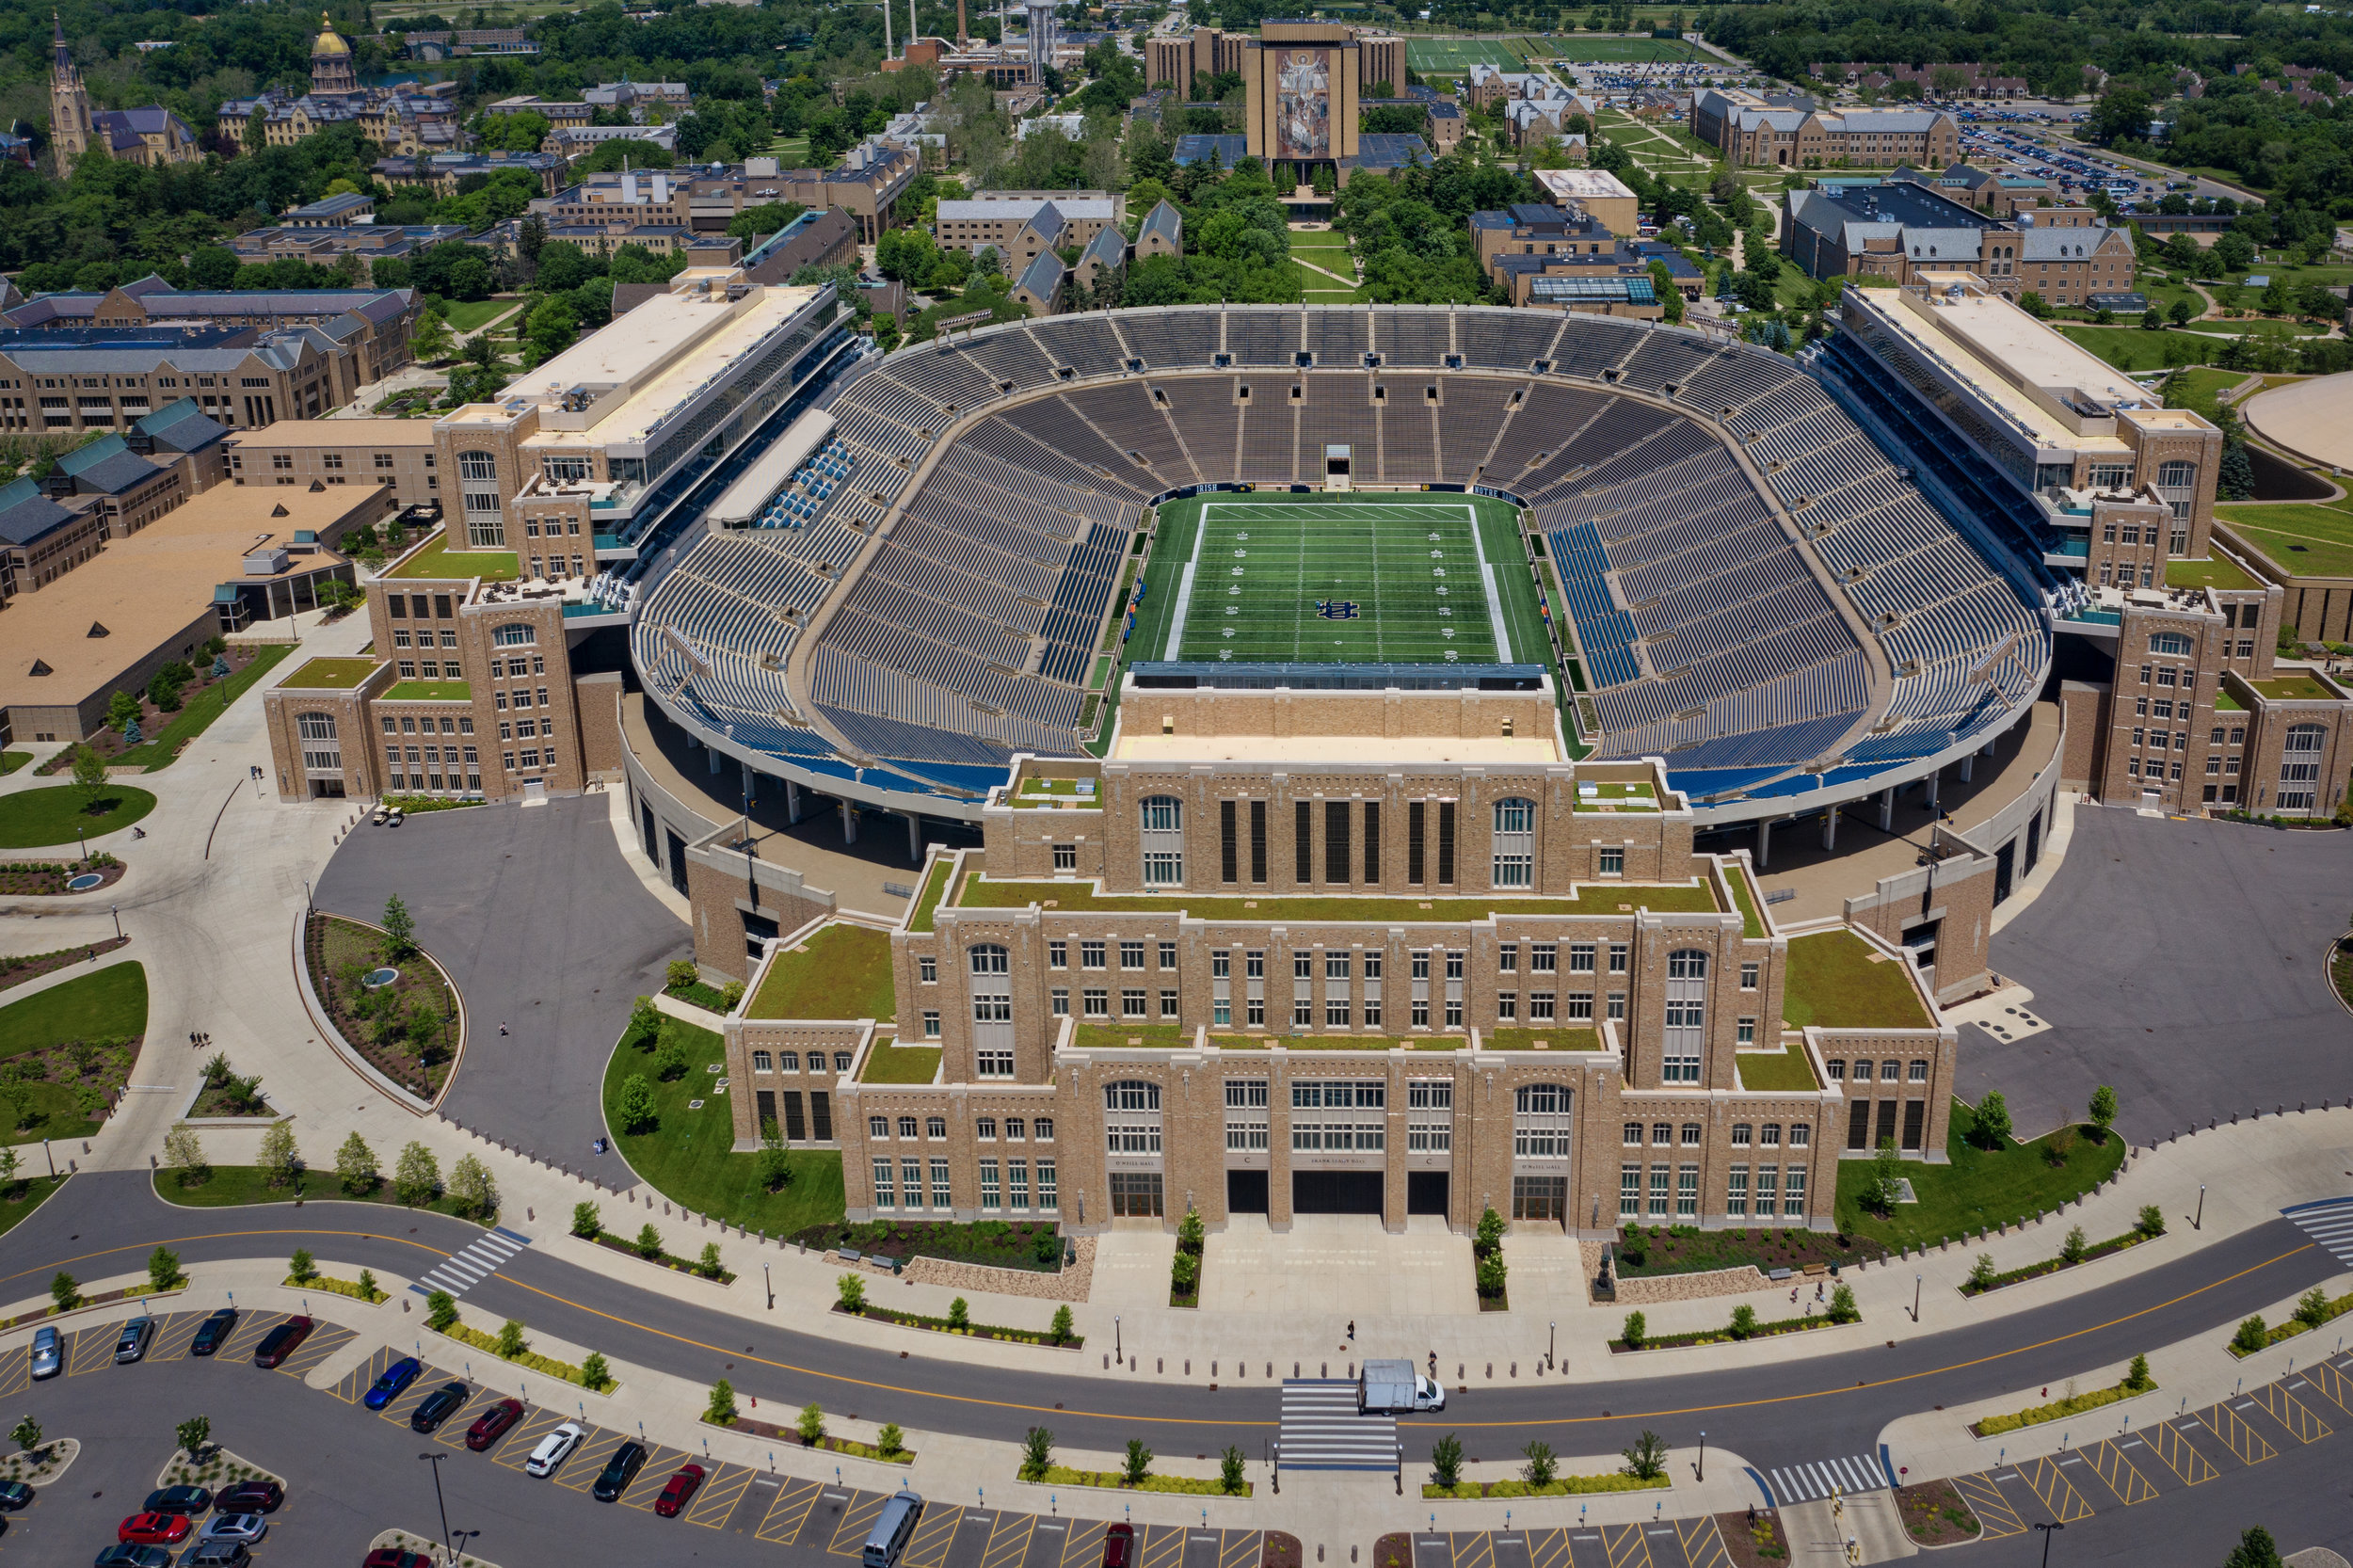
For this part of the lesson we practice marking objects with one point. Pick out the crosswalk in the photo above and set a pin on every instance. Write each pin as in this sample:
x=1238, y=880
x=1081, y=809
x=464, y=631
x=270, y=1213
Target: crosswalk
x=1322, y=1431
x=1803, y=1483
x=2329, y=1222
x=460, y=1272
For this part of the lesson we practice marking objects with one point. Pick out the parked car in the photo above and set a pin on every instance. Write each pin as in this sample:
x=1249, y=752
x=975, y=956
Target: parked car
x=214, y=1332
x=48, y=1354
x=133, y=1345
x=13, y=1496
x=1119, y=1546
x=493, y=1424
x=396, y=1378
x=438, y=1406
x=218, y=1554
x=247, y=1527
x=178, y=1500
x=154, y=1529
x=250, y=1496
x=680, y=1492
x=619, y=1472
x=128, y=1555
x=555, y=1448
x=393, y=1556
x=283, y=1341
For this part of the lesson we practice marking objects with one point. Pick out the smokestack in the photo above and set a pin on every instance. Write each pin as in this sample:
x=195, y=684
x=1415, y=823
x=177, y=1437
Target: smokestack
x=964, y=39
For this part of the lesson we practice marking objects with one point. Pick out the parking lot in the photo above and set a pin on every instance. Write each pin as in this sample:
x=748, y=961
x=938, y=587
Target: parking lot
x=1660, y=1543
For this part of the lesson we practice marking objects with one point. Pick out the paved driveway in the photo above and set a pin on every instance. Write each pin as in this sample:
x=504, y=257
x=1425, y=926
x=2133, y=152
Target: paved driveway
x=2182, y=962
x=544, y=927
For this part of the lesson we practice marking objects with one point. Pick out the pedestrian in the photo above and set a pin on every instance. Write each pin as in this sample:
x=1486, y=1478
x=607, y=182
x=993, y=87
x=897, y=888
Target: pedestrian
x=502, y=1026
x=1351, y=1330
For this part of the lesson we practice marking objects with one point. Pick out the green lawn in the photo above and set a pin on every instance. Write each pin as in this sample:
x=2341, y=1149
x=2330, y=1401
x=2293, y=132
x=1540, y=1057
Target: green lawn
x=2197, y=388
x=438, y=561
x=18, y=1204
x=1980, y=1187
x=11, y=760
x=32, y=819
x=2304, y=539
x=901, y=1065
x=108, y=1004
x=2216, y=573
x=1836, y=980
x=1515, y=585
x=689, y=1155
x=1776, y=1072
x=230, y=1186
x=193, y=719
x=2131, y=348
x=466, y=316
x=1592, y=898
x=843, y=971
x=330, y=675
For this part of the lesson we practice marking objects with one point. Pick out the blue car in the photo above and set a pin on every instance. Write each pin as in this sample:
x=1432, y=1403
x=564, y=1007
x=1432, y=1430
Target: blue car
x=399, y=1375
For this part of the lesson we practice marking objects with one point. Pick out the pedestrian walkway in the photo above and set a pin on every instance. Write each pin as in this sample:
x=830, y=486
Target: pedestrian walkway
x=2329, y=1222
x=1803, y=1483
x=462, y=1271
x=1323, y=1431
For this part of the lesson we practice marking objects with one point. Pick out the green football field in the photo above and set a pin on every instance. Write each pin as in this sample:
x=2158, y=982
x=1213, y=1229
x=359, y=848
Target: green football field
x=1449, y=56
x=1341, y=579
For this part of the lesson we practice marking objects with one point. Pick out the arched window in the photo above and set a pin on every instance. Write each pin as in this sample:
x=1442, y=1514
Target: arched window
x=1541, y=1121
x=1685, y=1028
x=987, y=958
x=1515, y=843
x=515, y=634
x=321, y=751
x=992, y=1012
x=1164, y=842
x=478, y=467
x=2300, y=765
x=1131, y=1117
x=2177, y=475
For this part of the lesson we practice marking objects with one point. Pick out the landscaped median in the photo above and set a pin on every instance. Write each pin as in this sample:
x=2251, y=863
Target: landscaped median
x=1057, y=1336
x=647, y=1247
x=2073, y=1251
x=509, y=1344
x=1644, y=1470
x=2313, y=1308
x=809, y=1428
x=2135, y=1383
x=1745, y=1325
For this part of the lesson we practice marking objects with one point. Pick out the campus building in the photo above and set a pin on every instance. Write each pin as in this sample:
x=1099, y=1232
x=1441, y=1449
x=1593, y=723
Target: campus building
x=867, y=185
x=152, y=138
x=1750, y=132
x=406, y=121
x=1901, y=229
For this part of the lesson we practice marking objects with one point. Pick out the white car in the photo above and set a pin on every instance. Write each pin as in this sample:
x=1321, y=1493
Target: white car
x=247, y=1527
x=553, y=1450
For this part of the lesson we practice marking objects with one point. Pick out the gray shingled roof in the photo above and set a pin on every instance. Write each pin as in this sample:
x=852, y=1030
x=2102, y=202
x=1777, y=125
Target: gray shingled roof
x=1107, y=250
x=182, y=426
x=26, y=514
x=1043, y=275
x=1166, y=221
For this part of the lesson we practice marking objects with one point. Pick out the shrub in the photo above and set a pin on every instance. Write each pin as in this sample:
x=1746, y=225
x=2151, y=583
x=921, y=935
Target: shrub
x=301, y=1268
x=1492, y=1273
x=440, y=1311
x=1540, y=1463
x=66, y=1291
x=2057, y=1147
x=2136, y=1377
x=1743, y=1321
x=511, y=1341
x=682, y=974
x=1887, y=1170
x=1646, y=1457
x=1637, y=1330
x=773, y=1163
x=193, y=1434
x=1059, y=1328
x=2251, y=1336
x=595, y=1375
x=1037, y=1453
x=720, y=1409
x=2151, y=1221
x=1190, y=1234
x=732, y=996
x=811, y=1423
x=709, y=1265
x=649, y=1241
x=368, y=1289
x=1489, y=1237
x=959, y=1315
x=890, y=1442
x=163, y=1270
x=1446, y=1461
x=587, y=1222
x=1993, y=1128
x=852, y=1292
x=1981, y=1272
x=1136, y=1466
x=1842, y=1306
x=2071, y=1249
x=2312, y=1307
x=633, y=1107
x=26, y=1434
x=645, y=1022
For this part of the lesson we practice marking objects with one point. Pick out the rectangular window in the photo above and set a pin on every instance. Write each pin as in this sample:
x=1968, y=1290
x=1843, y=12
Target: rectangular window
x=1258, y=841
x=927, y=970
x=1580, y=958
x=1736, y=1190
x=1506, y=1006
x=1686, y=1192
x=993, y=1064
x=1414, y=819
x=1446, y=844
x=1372, y=842
x=1131, y=1003
x=1091, y=955
x=1168, y=1005
x=1303, y=841
x=1748, y=977
x=990, y=1197
x=1660, y=1175
x=1132, y=955
x=1017, y=1183
x=1335, y=841
x=1617, y=1005
x=1543, y=958
x=1629, y=1190
x=1618, y=952
x=1058, y=955
x=1540, y=1007
x=1066, y=857
x=1508, y=957
x=1613, y=862
x=1059, y=998
x=884, y=1197
x=1766, y=1183
x=1793, y=1192
x=1229, y=847
x=940, y=1198
x=931, y=1023
x=1748, y=1031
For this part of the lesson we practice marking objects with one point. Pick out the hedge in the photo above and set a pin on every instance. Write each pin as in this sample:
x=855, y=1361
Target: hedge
x=336, y=1287
x=2338, y=1308
x=2035, y=1415
x=2052, y=1265
x=1724, y=1335
x=1194, y=1487
x=1559, y=1486
x=970, y=1331
x=530, y=1360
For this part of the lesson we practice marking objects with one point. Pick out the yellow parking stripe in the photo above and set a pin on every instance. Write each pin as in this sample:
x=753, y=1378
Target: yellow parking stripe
x=175, y=1333
x=16, y=1371
x=1472, y=1548
x=857, y=1517
x=1160, y=1547
x=1010, y=1540
x=661, y=1461
x=2109, y=1463
x=1985, y=1501
x=2059, y=1495
x=524, y=1435
x=1703, y=1544
x=1625, y=1545
x=453, y=1432
x=782, y=1520
x=248, y=1334
x=1241, y=1548
x=715, y=1499
x=355, y=1383
x=324, y=1341
x=2235, y=1435
x=2291, y=1413
x=1550, y=1550
x=89, y=1349
x=1085, y=1547
x=928, y=1546
x=580, y=1470
x=2179, y=1455
x=2332, y=1381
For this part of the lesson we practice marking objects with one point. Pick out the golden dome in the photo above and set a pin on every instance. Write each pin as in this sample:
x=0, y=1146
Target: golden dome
x=329, y=43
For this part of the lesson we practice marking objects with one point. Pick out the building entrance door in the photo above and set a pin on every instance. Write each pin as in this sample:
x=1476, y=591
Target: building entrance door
x=1545, y=1199
x=1335, y=1191
x=1245, y=1193
x=1425, y=1191
x=1136, y=1196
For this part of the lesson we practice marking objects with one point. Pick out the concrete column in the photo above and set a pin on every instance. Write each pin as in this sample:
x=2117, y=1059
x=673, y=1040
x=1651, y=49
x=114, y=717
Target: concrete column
x=915, y=836
x=849, y=822
x=1968, y=767
x=1887, y=809
x=714, y=759
x=1763, y=843
x=751, y=786
x=1829, y=828
x=1934, y=780
x=791, y=802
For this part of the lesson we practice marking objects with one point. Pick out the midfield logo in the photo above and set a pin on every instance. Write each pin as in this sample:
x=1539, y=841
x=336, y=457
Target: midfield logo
x=1336, y=609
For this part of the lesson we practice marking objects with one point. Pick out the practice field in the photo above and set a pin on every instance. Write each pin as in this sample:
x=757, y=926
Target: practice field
x=1398, y=579
x=1452, y=56
x=1612, y=51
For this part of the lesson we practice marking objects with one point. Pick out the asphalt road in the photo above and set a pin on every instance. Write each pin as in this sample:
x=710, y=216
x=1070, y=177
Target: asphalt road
x=1796, y=1410
x=2182, y=962
x=545, y=928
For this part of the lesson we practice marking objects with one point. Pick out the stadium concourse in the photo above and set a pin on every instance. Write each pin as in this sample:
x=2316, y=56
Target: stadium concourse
x=1734, y=577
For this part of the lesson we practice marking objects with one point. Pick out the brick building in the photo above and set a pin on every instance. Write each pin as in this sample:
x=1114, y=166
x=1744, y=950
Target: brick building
x=1901, y=229
x=1750, y=133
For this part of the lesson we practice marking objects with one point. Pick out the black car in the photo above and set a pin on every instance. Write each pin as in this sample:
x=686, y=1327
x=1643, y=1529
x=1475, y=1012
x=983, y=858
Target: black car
x=214, y=1332
x=619, y=1471
x=14, y=1495
x=438, y=1406
x=250, y=1496
x=178, y=1499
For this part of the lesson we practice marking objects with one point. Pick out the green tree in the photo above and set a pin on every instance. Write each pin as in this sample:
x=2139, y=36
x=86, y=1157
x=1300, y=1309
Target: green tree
x=959, y=1314
x=2312, y=1307
x=645, y=1023
x=400, y=930
x=1059, y=1328
x=2071, y=1249
x=416, y=1175
x=633, y=1108
x=2136, y=1377
x=890, y=1442
x=595, y=1375
x=183, y=1152
x=2251, y=1336
x=1887, y=1169
x=1636, y=1332
x=2103, y=1110
x=65, y=1291
x=440, y=1311
x=280, y=1160
x=193, y=1434
x=1994, y=1129
x=670, y=1062
x=587, y=1222
x=368, y=1289
x=709, y=1265
x=1446, y=1461
x=1981, y=1272
x=302, y=1267
x=1190, y=1234
x=1037, y=1453
x=851, y=1291
x=11, y=1164
x=1646, y=1457
x=811, y=1424
x=2255, y=1549
x=1136, y=1466
x=430, y=341
x=470, y=1187
x=773, y=1163
x=2151, y=1221
x=26, y=1434
x=121, y=709
x=511, y=1341
x=1743, y=1321
x=649, y=1241
x=90, y=773
x=1540, y=1463
x=1184, y=1274
x=163, y=1270
x=355, y=1165
x=1842, y=1306
x=1230, y=1469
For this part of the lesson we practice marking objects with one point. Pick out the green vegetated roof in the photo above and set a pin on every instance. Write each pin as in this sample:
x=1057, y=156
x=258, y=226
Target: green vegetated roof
x=1743, y=894
x=338, y=675
x=1778, y=1072
x=428, y=691
x=1553, y=1039
x=2217, y=573
x=841, y=971
x=436, y=561
x=1115, y=1036
x=1611, y=898
x=900, y=1064
x=1836, y=980
x=934, y=888
x=2293, y=688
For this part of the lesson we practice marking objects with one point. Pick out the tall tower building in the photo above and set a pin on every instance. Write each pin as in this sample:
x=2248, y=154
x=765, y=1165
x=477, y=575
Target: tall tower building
x=331, y=71
x=68, y=105
x=1041, y=14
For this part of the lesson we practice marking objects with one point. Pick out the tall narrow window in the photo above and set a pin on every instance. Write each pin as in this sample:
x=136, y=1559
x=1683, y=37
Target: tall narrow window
x=1335, y=841
x=1514, y=843
x=1446, y=844
x=1164, y=842
x=1685, y=1015
x=1229, y=855
x=1415, y=813
x=1303, y=842
x=1372, y=842
x=1258, y=841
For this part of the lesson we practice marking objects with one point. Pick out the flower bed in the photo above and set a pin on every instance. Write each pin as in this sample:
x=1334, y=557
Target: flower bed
x=530, y=1360
x=1723, y=1336
x=32, y=966
x=1558, y=1486
x=1112, y=1480
x=334, y=1287
x=201, y=699
x=850, y=1446
x=664, y=1259
x=1648, y=1250
x=2336, y=1308
x=2108, y=1248
x=48, y=878
x=1035, y=1244
x=708, y=998
x=2058, y=1410
x=1935, y=1515
x=378, y=1021
x=970, y=1331
x=90, y=1299
x=39, y=1466
x=413, y=805
x=1753, y=1540
x=66, y=1051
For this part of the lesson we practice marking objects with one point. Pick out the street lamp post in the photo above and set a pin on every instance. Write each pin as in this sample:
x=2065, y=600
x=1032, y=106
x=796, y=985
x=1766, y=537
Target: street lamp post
x=2200, y=1223
x=2048, y=1531
x=1702, y=1456
x=1118, y=1350
x=115, y=910
x=440, y=1502
x=1915, y=1298
x=770, y=1284
x=1552, y=1343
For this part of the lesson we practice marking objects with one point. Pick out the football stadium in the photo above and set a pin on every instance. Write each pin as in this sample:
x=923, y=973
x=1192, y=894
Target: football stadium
x=982, y=547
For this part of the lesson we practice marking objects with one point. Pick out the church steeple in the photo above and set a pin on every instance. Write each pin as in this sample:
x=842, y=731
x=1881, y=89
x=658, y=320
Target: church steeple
x=68, y=103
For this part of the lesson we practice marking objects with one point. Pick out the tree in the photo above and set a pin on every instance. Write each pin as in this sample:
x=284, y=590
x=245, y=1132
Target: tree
x=1190, y=1233
x=645, y=1022
x=1136, y=1466
x=1184, y=1274
x=709, y=1265
x=773, y=1163
x=2251, y=1336
x=1981, y=1272
x=2121, y=115
x=595, y=1375
x=1230, y=1469
x=670, y=1062
x=2255, y=1549
x=511, y=1342
x=440, y=1311
x=890, y=1442
x=850, y=1293
x=2136, y=1376
x=26, y=1434
x=1059, y=1328
x=2312, y=1307
x=1842, y=1306
x=417, y=1175
x=11, y=1164
x=587, y=1222
x=2071, y=1249
x=811, y=1424
x=633, y=1107
x=2035, y=305
x=1886, y=1171
x=301, y=1268
x=2151, y=1221
x=1646, y=1457
x=400, y=930
x=1540, y=1463
x=368, y=1289
x=193, y=1434
x=355, y=1165
x=90, y=773
x=649, y=1241
x=66, y=1291
x=470, y=1187
x=1492, y=1273
x=430, y=341
x=121, y=709
x=163, y=1270
x=1994, y=1129
x=959, y=1314
x=2275, y=295
x=280, y=1159
x=1446, y=1461
x=183, y=1152
x=1743, y=1321
x=1037, y=1453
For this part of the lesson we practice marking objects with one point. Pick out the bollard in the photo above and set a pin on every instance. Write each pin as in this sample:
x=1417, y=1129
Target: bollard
x=1294, y=1369
x=1188, y=1366
x=1107, y=1363
x=1213, y=1369
x=1132, y=1364
x=1491, y=1370
x=1160, y=1364
x=1515, y=1368
x=1323, y=1369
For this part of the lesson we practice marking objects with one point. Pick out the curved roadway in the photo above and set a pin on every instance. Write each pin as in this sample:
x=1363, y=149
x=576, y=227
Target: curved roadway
x=1805, y=1407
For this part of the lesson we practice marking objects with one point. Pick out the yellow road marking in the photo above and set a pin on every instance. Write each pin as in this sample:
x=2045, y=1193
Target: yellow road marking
x=2240, y=1438
x=1085, y=1547
x=323, y=1342
x=588, y=1459
x=1241, y=1548
x=174, y=1335
x=355, y=1384
x=524, y=1435
x=1985, y=1501
x=89, y=1349
x=1703, y=1544
x=2291, y=1413
x=2110, y=1465
x=2059, y=1495
x=1010, y=1540
x=928, y=1546
x=715, y=1499
x=661, y=1462
x=782, y=1520
x=2181, y=1455
x=2331, y=1380
x=857, y=1517
x=1550, y=1550
x=16, y=1369
x=1625, y=1545
x=1162, y=1546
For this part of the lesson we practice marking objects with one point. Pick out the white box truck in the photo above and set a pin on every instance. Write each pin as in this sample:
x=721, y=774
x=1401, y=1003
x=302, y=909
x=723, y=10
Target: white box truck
x=1393, y=1387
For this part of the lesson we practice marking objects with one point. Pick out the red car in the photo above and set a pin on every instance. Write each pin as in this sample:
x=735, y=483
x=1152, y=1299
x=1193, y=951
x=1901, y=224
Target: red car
x=492, y=1424
x=1119, y=1546
x=682, y=1489
x=393, y=1556
x=154, y=1529
x=283, y=1341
